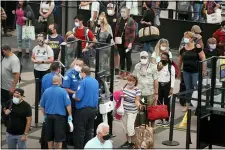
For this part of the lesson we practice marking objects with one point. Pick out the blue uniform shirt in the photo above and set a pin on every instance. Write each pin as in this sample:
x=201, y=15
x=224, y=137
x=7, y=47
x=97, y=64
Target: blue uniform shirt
x=71, y=80
x=55, y=100
x=87, y=93
x=47, y=81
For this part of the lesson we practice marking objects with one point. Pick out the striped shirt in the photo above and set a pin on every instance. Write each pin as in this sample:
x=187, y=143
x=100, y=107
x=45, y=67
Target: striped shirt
x=129, y=101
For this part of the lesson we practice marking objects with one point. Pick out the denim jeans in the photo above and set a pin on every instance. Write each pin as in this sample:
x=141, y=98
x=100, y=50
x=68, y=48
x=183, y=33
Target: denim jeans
x=148, y=47
x=190, y=80
x=15, y=140
x=198, y=12
x=20, y=41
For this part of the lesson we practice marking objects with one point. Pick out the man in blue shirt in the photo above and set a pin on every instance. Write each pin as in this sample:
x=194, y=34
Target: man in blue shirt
x=70, y=84
x=86, y=99
x=47, y=79
x=54, y=102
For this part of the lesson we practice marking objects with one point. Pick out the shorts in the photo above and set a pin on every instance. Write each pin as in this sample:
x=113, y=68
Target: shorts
x=116, y=52
x=150, y=100
x=128, y=120
x=55, y=128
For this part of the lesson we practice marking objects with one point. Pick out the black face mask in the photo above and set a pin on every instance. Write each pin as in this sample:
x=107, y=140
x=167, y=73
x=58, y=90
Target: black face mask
x=164, y=62
x=106, y=137
x=98, y=25
x=49, y=32
x=70, y=39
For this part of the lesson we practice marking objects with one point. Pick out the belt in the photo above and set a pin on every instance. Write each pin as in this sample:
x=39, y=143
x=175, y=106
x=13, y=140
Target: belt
x=164, y=83
x=88, y=108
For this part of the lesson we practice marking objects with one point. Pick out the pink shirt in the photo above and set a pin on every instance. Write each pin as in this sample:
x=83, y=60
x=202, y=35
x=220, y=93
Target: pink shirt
x=19, y=15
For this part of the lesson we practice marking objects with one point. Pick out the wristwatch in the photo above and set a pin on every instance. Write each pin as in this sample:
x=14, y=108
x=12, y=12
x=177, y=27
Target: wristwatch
x=25, y=134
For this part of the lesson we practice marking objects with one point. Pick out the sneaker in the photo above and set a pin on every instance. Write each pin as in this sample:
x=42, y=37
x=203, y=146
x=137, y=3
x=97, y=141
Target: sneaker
x=159, y=123
x=166, y=124
x=117, y=71
x=125, y=145
x=121, y=75
x=131, y=146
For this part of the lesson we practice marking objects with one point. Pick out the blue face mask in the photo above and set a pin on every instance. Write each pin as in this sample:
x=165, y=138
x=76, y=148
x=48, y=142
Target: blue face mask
x=223, y=30
x=16, y=100
x=186, y=40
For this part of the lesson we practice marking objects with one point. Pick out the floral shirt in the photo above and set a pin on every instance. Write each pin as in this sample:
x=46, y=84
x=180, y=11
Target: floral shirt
x=146, y=77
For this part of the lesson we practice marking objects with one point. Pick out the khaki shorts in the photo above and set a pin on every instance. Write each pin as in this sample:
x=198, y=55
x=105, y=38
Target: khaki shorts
x=150, y=100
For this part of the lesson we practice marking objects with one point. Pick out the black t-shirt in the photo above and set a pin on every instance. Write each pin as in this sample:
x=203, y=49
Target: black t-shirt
x=149, y=16
x=190, y=59
x=17, y=118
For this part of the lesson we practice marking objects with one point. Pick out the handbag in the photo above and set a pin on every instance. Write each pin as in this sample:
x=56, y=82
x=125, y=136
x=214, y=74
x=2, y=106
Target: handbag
x=28, y=32
x=148, y=34
x=158, y=112
x=215, y=17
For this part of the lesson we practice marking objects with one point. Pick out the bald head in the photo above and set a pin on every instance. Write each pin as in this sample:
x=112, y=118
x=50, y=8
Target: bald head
x=86, y=70
x=56, y=80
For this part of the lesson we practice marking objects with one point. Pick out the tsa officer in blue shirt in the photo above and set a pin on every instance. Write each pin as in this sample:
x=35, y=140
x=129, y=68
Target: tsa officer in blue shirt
x=72, y=79
x=47, y=79
x=54, y=102
x=86, y=99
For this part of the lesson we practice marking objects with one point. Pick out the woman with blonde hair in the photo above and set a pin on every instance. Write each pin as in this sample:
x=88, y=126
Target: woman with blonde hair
x=189, y=57
x=161, y=47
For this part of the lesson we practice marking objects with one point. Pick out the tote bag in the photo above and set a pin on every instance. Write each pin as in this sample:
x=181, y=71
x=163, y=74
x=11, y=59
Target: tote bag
x=215, y=17
x=28, y=32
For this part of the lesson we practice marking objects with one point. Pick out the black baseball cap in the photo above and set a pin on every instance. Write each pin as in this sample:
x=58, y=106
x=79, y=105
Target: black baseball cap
x=21, y=91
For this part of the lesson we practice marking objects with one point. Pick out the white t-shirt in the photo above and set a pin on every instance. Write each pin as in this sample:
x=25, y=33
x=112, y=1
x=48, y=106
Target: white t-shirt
x=87, y=7
x=133, y=6
x=41, y=54
x=95, y=6
x=157, y=58
x=46, y=6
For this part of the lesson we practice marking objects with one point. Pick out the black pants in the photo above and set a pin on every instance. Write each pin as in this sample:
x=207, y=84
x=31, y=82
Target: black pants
x=4, y=26
x=39, y=74
x=124, y=57
x=83, y=126
x=164, y=91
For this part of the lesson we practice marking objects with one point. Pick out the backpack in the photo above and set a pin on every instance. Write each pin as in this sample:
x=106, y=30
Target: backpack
x=137, y=31
x=175, y=67
x=183, y=7
x=164, y=4
x=86, y=30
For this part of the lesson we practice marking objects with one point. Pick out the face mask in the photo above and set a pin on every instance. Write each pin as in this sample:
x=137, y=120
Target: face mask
x=144, y=61
x=223, y=30
x=212, y=46
x=16, y=100
x=70, y=39
x=130, y=85
x=77, y=68
x=123, y=15
x=98, y=25
x=106, y=137
x=163, y=48
x=49, y=32
x=76, y=24
x=110, y=12
x=186, y=40
x=99, y=22
x=164, y=62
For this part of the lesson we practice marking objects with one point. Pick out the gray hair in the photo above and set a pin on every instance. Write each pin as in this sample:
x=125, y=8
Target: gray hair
x=101, y=126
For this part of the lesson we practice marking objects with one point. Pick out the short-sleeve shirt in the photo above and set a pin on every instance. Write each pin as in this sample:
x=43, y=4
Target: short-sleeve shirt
x=17, y=117
x=46, y=6
x=54, y=43
x=87, y=93
x=158, y=58
x=55, y=100
x=95, y=6
x=96, y=144
x=146, y=77
x=190, y=59
x=42, y=53
x=79, y=33
x=10, y=65
x=133, y=7
x=129, y=101
x=47, y=81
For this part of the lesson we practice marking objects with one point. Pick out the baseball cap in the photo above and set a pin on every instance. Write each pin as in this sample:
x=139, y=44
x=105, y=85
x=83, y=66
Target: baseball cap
x=144, y=54
x=21, y=91
x=196, y=29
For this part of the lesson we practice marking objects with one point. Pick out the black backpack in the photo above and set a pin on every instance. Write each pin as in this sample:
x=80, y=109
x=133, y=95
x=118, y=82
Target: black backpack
x=164, y=4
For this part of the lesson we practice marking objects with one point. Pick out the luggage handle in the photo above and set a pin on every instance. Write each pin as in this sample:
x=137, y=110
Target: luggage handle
x=149, y=31
x=146, y=114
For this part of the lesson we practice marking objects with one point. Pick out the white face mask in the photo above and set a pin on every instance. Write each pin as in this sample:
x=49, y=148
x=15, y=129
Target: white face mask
x=123, y=15
x=110, y=12
x=76, y=24
x=16, y=100
x=186, y=40
x=144, y=61
x=212, y=46
x=163, y=48
x=77, y=68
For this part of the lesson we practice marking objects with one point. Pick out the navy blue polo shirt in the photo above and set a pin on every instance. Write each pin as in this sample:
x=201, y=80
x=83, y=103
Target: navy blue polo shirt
x=55, y=100
x=87, y=93
x=47, y=81
x=71, y=80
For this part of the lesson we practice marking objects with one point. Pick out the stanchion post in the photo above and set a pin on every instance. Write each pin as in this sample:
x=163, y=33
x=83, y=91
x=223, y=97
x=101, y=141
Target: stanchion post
x=170, y=13
x=170, y=142
x=188, y=133
x=63, y=47
x=79, y=49
x=223, y=95
x=97, y=62
x=37, y=99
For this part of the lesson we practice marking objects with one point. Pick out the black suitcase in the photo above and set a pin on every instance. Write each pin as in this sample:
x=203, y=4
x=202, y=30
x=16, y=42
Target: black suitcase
x=43, y=142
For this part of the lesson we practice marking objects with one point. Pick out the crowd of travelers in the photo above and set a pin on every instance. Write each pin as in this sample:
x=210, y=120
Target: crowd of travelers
x=69, y=103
